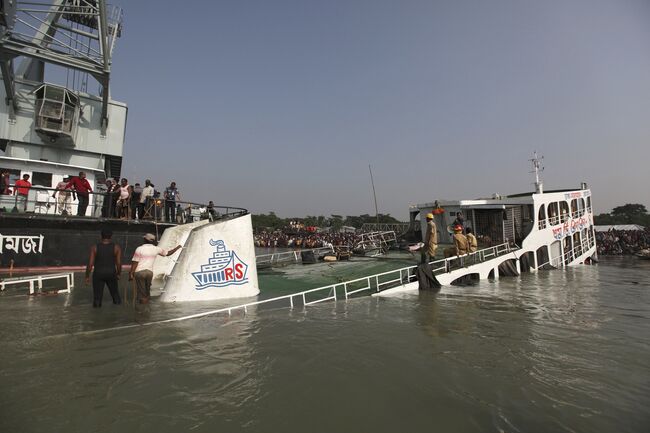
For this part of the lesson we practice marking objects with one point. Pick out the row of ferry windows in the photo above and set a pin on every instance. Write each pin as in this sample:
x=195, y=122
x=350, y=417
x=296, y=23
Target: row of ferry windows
x=36, y=177
x=558, y=212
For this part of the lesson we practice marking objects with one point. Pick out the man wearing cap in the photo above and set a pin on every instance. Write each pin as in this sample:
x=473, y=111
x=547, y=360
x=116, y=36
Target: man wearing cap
x=430, y=240
x=64, y=200
x=142, y=261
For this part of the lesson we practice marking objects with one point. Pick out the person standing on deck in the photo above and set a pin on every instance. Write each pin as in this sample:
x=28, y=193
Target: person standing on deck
x=171, y=193
x=460, y=241
x=124, y=200
x=106, y=259
x=82, y=187
x=430, y=240
x=21, y=191
x=471, y=240
x=63, y=202
x=459, y=221
x=5, y=181
x=136, y=193
x=142, y=265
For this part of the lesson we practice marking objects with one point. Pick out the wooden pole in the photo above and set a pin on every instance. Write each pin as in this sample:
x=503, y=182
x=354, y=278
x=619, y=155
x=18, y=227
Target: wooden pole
x=374, y=194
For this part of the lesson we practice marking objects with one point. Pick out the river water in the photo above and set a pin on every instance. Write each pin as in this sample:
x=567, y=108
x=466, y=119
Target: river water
x=553, y=351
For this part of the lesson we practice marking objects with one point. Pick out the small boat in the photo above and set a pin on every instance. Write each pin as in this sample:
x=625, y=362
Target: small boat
x=644, y=254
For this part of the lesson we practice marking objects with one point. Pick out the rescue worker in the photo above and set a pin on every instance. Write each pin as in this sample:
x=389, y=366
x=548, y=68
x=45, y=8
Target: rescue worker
x=460, y=241
x=471, y=240
x=430, y=240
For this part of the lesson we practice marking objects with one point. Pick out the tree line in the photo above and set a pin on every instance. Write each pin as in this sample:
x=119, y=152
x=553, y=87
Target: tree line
x=630, y=213
x=271, y=221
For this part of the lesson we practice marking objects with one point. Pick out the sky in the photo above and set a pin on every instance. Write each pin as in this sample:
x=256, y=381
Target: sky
x=281, y=105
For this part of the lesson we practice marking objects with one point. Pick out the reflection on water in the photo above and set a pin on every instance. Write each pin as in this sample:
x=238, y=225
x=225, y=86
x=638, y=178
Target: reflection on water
x=551, y=351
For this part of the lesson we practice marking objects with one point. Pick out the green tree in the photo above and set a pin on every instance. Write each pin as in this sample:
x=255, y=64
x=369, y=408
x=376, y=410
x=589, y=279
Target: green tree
x=630, y=214
x=268, y=222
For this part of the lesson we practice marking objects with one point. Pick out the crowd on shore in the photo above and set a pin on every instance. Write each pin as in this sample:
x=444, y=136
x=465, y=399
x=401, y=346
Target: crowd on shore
x=622, y=242
x=292, y=238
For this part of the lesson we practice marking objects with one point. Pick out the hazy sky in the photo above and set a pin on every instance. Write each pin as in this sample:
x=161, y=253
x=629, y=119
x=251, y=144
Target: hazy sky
x=280, y=105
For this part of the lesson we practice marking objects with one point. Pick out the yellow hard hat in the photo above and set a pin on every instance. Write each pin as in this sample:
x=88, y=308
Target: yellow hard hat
x=429, y=216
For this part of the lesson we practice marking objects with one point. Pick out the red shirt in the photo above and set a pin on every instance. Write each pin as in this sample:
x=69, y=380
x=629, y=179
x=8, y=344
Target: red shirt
x=80, y=185
x=22, y=187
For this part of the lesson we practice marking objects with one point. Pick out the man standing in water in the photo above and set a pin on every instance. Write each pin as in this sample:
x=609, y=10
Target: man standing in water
x=430, y=240
x=143, y=259
x=106, y=258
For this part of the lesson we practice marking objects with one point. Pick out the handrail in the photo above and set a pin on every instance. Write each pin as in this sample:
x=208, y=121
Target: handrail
x=69, y=279
x=100, y=207
x=282, y=256
x=406, y=275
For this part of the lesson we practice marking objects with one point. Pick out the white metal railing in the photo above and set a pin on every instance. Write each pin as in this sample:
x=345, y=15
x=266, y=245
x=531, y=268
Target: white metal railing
x=287, y=256
x=374, y=282
x=554, y=220
x=571, y=254
x=38, y=280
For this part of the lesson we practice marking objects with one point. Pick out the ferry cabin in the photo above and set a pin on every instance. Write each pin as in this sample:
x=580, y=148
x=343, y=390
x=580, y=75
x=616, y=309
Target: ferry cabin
x=555, y=227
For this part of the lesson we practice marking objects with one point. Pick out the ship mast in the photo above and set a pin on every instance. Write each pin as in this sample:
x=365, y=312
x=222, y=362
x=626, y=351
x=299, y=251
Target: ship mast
x=537, y=169
x=374, y=194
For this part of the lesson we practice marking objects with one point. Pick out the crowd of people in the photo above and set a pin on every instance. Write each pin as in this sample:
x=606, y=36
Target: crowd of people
x=622, y=242
x=292, y=238
x=114, y=198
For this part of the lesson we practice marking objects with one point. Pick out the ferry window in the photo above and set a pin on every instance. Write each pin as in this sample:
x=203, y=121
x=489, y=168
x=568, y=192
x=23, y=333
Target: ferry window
x=589, y=204
x=14, y=175
x=541, y=218
x=42, y=179
x=553, y=214
x=564, y=211
x=581, y=206
x=574, y=208
x=577, y=245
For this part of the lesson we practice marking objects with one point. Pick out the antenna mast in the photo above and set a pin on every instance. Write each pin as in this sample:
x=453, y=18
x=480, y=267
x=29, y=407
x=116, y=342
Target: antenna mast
x=537, y=169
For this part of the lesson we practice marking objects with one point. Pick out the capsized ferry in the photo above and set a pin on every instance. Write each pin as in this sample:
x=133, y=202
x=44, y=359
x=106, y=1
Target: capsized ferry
x=536, y=229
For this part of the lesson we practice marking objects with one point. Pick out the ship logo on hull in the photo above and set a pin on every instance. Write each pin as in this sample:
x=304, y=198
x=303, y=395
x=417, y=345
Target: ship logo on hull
x=223, y=269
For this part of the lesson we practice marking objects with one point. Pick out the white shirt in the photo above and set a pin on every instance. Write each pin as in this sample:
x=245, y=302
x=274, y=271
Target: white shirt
x=147, y=191
x=145, y=256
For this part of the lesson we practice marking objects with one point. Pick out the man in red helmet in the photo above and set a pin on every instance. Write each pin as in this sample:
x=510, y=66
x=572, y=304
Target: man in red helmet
x=460, y=241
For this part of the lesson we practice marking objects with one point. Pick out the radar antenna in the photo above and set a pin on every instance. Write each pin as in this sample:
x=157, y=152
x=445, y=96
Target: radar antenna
x=537, y=169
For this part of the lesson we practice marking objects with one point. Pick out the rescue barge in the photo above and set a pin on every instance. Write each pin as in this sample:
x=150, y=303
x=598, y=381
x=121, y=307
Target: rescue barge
x=57, y=119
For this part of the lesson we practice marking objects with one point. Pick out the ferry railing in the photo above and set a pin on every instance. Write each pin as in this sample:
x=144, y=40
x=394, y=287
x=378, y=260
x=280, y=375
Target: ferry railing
x=376, y=283
x=38, y=281
x=102, y=204
x=554, y=220
x=288, y=256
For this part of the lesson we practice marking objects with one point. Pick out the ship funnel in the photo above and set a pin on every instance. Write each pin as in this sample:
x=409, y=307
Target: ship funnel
x=217, y=261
